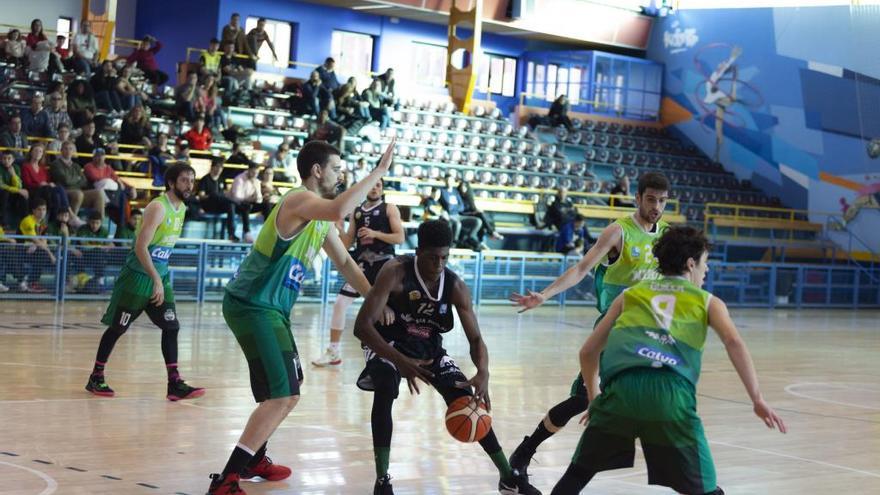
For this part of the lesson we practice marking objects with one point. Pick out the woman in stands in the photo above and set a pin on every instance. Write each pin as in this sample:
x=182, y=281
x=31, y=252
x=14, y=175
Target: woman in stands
x=209, y=97
x=135, y=126
x=81, y=103
x=349, y=105
x=35, y=177
x=471, y=210
x=378, y=106
x=14, y=48
x=559, y=113
x=36, y=35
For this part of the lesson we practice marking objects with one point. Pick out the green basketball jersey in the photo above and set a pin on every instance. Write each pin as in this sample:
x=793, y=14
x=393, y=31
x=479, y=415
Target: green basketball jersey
x=272, y=273
x=663, y=324
x=635, y=262
x=163, y=240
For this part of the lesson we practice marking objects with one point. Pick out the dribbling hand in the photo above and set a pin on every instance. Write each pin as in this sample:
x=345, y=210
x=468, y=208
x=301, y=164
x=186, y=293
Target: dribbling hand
x=527, y=302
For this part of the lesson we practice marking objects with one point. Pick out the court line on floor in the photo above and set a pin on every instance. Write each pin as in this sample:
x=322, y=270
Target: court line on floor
x=798, y=458
x=793, y=411
x=789, y=390
x=131, y=372
x=51, y=484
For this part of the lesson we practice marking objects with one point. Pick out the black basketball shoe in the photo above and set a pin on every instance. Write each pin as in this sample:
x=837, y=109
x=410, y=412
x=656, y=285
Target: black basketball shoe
x=383, y=486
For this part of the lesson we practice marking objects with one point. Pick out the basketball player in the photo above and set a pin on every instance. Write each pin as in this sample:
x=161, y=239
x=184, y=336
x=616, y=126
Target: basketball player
x=624, y=251
x=143, y=284
x=375, y=227
x=422, y=292
x=651, y=345
x=258, y=301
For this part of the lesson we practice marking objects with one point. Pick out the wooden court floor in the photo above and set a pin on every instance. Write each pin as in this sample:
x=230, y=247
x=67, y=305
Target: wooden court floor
x=820, y=368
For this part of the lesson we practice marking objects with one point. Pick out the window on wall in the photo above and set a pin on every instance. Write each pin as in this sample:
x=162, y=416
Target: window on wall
x=427, y=65
x=540, y=80
x=574, y=85
x=530, y=78
x=353, y=53
x=280, y=34
x=551, y=81
x=64, y=26
x=497, y=74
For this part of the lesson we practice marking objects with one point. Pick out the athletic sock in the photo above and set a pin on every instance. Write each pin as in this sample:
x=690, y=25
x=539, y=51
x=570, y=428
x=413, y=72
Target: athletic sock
x=258, y=456
x=99, y=368
x=240, y=457
x=173, y=374
x=334, y=346
x=382, y=456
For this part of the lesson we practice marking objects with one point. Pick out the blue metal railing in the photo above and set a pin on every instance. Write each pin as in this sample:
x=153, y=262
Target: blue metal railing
x=200, y=270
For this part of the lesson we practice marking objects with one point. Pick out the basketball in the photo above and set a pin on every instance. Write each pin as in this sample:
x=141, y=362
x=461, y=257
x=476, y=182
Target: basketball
x=467, y=421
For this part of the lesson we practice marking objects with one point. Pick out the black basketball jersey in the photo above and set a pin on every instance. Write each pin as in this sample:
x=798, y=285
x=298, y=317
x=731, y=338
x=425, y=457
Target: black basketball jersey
x=375, y=218
x=419, y=317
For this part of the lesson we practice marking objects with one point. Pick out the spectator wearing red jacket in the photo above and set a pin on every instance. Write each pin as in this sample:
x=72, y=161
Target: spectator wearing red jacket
x=145, y=58
x=198, y=135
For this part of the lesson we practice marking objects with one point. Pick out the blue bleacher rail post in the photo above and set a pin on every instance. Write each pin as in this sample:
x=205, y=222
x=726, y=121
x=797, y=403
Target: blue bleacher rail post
x=325, y=282
x=200, y=272
x=478, y=282
x=771, y=292
x=61, y=268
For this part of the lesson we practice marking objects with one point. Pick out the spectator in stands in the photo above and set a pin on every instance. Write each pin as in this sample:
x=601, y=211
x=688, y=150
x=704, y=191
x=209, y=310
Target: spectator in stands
x=386, y=86
x=135, y=126
x=328, y=76
x=378, y=104
x=210, y=59
x=558, y=114
x=85, y=49
x=56, y=114
x=282, y=162
x=574, y=238
x=64, y=55
x=561, y=211
x=104, y=85
x=7, y=266
x=324, y=129
x=465, y=228
x=39, y=255
x=14, y=48
x=209, y=101
x=182, y=151
x=87, y=142
x=35, y=119
x=81, y=103
x=145, y=59
x=349, y=105
x=317, y=97
x=235, y=75
x=63, y=135
x=433, y=210
x=13, y=195
x=257, y=36
x=361, y=170
x=69, y=175
x=233, y=33
x=103, y=178
x=237, y=156
x=621, y=188
x=118, y=164
x=213, y=197
x=13, y=137
x=159, y=158
x=129, y=95
x=36, y=35
x=471, y=210
x=42, y=58
x=247, y=194
x=36, y=179
x=268, y=191
x=199, y=136
x=128, y=230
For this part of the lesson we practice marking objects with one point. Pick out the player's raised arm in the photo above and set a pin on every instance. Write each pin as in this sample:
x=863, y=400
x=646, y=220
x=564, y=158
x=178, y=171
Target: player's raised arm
x=719, y=319
x=390, y=279
x=592, y=348
x=608, y=240
x=310, y=206
x=461, y=299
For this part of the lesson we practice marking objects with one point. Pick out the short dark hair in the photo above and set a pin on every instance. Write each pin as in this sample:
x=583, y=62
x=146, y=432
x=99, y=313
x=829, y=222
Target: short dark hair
x=95, y=215
x=175, y=171
x=216, y=160
x=329, y=60
x=214, y=41
x=653, y=180
x=434, y=234
x=578, y=217
x=675, y=246
x=7, y=152
x=261, y=19
x=235, y=14
x=314, y=152
x=37, y=202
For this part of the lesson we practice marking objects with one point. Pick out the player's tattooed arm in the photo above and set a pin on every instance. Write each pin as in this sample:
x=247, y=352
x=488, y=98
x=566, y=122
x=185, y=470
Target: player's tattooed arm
x=389, y=280
x=461, y=299
x=609, y=241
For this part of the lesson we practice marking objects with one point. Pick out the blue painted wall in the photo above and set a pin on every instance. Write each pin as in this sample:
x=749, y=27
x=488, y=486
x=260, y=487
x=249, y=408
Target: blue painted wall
x=807, y=102
x=175, y=29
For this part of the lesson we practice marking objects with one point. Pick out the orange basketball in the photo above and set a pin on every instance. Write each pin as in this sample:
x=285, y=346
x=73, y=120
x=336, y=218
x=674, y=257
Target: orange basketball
x=467, y=421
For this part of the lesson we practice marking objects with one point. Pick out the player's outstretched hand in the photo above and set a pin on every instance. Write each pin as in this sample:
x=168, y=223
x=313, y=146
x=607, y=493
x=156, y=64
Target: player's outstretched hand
x=769, y=416
x=385, y=161
x=412, y=370
x=387, y=316
x=480, y=382
x=527, y=302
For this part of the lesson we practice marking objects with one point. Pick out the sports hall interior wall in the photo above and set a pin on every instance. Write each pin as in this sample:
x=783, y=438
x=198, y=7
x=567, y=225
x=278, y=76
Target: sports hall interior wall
x=808, y=83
